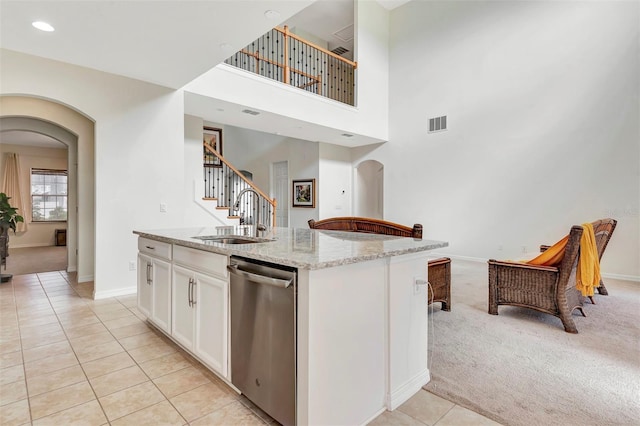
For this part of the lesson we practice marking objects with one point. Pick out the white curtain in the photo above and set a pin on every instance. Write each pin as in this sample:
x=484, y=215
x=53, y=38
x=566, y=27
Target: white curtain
x=11, y=187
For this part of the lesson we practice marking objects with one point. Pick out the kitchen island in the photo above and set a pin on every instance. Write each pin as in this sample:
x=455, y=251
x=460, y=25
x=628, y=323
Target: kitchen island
x=361, y=339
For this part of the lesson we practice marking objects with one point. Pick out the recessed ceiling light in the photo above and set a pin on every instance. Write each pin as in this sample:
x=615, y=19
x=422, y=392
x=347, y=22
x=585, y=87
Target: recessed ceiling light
x=43, y=26
x=272, y=14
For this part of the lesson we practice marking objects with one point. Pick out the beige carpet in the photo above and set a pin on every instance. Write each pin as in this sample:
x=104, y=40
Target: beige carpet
x=522, y=368
x=36, y=259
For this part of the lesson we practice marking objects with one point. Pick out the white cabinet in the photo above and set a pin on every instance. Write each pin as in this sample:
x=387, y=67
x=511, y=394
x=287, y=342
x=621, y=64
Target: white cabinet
x=200, y=300
x=144, y=284
x=154, y=282
x=212, y=297
x=183, y=320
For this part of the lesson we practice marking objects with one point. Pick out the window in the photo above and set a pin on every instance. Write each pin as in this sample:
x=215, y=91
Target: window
x=48, y=195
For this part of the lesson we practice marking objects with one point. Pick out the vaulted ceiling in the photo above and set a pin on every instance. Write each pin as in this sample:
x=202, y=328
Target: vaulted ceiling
x=169, y=42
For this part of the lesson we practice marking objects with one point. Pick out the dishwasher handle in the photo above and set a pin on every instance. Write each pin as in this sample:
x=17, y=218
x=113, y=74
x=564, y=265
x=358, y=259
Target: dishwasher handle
x=260, y=279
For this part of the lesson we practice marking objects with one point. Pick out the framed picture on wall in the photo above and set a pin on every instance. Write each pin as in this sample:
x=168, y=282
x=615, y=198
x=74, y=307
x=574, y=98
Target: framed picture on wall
x=304, y=193
x=212, y=137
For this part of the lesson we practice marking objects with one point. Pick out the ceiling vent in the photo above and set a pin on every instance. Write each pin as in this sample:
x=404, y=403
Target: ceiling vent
x=251, y=112
x=345, y=34
x=347, y=135
x=340, y=50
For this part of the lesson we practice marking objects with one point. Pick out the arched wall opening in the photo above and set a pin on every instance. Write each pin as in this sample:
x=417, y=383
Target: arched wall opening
x=73, y=129
x=369, y=189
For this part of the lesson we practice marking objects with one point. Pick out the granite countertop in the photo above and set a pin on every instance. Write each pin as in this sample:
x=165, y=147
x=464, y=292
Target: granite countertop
x=297, y=247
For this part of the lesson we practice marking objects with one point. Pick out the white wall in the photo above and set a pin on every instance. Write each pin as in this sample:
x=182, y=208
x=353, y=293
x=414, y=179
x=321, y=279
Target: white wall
x=139, y=147
x=542, y=100
x=38, y=234
x=335, y=183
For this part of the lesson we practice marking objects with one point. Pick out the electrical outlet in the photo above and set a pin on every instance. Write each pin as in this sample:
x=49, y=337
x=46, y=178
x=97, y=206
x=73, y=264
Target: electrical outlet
x=500, y=247
x=163, y=207
x=524, y=249
x=417, y=282
x=132, y=266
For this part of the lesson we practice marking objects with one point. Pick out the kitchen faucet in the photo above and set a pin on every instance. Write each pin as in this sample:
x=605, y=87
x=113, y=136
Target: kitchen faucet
x=236, y=207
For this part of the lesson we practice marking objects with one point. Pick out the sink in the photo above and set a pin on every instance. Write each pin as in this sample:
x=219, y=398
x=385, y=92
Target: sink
x=232, y=239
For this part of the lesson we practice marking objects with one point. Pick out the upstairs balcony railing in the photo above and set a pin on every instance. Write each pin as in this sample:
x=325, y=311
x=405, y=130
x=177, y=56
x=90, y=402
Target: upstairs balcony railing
x=289, y=59
x=225, y=184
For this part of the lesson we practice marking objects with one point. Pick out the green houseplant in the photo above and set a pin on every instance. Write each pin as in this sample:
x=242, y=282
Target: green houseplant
x=9, y=219
x=9, y=216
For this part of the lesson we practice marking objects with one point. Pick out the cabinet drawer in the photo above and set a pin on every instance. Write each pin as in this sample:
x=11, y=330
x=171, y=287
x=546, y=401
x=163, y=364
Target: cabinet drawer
x=154, y=248
x=201, y=260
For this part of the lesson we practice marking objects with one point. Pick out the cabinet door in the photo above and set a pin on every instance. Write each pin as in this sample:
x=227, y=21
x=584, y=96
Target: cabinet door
x=161, y=285
x=212, y=301
x=144, y=284
x=183, y=310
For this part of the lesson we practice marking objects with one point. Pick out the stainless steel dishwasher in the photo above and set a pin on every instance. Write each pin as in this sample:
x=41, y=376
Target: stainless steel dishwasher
x=263, y=335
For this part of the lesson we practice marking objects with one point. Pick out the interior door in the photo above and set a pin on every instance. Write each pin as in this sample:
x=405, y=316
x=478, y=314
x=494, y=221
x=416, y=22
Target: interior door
x=280, y=191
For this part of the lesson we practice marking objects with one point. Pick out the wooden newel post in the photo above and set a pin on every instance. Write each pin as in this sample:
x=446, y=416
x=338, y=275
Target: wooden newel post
x=286, y=55
x=275, y=205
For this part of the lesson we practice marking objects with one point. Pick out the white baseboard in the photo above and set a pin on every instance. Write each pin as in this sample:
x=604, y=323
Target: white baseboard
x=402, y=394
x=30, y=245
x=634, y=278
x=85, y=278
x=116, y=292
x=621, y=277
x=435, y=254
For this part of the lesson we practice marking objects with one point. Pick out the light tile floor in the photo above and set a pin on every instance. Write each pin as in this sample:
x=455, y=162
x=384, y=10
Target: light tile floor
x=68, y=359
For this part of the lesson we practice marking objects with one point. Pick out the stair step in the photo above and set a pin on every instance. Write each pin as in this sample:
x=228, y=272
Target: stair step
x=222, y=208
x=233, y=217
x=209, y=199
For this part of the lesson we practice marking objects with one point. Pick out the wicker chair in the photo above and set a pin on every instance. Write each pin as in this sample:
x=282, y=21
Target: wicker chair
x=548, y=289
x=603, y=229
x=439, y=269
x=368, y=225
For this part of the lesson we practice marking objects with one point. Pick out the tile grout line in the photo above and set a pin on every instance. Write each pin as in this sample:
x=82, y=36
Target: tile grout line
x=74, y=353
x=24, y=368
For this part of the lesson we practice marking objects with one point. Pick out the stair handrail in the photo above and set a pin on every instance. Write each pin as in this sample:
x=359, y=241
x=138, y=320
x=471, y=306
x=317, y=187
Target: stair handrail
x=287, y=33
x=296, y=69
x=271, y=201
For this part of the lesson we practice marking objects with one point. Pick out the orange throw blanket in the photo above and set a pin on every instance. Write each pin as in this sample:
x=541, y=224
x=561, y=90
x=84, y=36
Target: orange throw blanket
x=588, y=274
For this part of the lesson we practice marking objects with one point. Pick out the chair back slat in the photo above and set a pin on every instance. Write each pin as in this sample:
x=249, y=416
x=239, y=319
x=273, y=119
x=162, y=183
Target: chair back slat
x=367, y=225
x=603, y=229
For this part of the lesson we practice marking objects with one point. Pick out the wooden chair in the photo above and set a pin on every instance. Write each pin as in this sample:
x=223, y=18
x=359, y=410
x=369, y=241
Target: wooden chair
x=368, y=225
x=548, y=289
x=439, y=269
x=440, y=280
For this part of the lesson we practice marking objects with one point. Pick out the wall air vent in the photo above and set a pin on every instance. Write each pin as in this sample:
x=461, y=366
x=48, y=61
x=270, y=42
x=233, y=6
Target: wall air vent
x=251, y=112
x=347, y=135
x=345, y=34
x=340, y=50
x=438, y=124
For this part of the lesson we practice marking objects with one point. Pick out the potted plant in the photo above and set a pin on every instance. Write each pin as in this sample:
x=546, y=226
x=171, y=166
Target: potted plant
x=9, y=219
x=9, y=216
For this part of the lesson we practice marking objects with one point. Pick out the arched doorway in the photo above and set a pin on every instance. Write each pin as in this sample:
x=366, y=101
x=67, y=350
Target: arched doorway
x=41, y=143
x=58, y=121
x=369, y=189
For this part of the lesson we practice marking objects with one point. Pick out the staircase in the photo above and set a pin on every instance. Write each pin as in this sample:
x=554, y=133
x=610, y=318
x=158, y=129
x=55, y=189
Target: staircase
x=233, y=192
